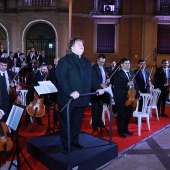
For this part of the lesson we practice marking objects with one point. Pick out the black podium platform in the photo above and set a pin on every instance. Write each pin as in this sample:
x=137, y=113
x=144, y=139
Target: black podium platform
x=48, y=150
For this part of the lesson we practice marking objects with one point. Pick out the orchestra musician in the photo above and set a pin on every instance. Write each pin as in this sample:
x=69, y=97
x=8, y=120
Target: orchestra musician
x=142, y=79
x=122, y=83
x=97, y=101
x=31, y=60
x=4, y=88
x=40, y=75
x=162, y=74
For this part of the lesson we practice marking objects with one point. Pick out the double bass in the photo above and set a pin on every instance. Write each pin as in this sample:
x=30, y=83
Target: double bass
x=8, y=144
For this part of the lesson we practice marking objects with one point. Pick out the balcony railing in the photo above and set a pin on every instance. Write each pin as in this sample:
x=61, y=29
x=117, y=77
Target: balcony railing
x=36, y=3
x=103, y=7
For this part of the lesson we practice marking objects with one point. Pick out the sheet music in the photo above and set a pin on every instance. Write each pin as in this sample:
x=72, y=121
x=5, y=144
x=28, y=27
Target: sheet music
x=45, y=87
x=14, y=117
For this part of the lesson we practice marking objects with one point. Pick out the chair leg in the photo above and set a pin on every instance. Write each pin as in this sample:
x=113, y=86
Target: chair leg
x=157, y=113
x=103, y=117
x=148, y=123
x=150, y=111
x=139, y=126
x=108, y=113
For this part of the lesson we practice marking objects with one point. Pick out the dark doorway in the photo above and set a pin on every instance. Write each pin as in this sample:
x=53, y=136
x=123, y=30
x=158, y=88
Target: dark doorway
x=41, y=36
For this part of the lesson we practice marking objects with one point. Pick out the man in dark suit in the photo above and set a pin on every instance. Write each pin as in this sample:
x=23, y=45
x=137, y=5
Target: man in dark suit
x=75, y=76
x=109, y=70
x=142, y=76
x=97, y=101
x=17, y=53
x=142, y=79
x=31, y=60
x=42, y=58
x=161, y=78
x=4, y=95
x=122, y=83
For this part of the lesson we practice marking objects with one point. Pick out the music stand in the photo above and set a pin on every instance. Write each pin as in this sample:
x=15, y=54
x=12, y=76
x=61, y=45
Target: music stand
x=13, y=122
x=46, y=87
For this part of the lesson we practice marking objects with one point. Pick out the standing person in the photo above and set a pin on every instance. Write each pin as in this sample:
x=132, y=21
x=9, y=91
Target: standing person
x=109, y=70
x=142, y=77
x=97, y=101
x=161, y=77
x=122, y=83
x=75, y=76
x=31, y=60
x=42, y=58
x=53, y=96
x=4, y=88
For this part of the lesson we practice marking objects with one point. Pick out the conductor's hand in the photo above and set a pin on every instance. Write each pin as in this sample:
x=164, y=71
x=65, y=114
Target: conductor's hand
x=75, y=95
x=100, y=91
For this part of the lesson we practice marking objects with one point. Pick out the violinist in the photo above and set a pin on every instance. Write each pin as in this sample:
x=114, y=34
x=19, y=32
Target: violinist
x=122, y=83
x=142, y=77
x=142, y=80
x=40, y=75
x=97, y=101
x=161, y=77
x=4, y=88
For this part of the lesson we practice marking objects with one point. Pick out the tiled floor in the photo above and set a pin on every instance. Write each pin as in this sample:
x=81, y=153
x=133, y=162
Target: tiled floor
x=152, y=153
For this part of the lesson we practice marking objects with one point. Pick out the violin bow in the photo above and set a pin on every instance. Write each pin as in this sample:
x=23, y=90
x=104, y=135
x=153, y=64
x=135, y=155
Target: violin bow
x=114, y=72
x=17, y=73
x=151, y=72
x=140, y=67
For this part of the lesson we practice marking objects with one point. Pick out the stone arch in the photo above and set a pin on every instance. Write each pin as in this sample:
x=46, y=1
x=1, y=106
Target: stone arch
x=4, y=37
x=31, y=27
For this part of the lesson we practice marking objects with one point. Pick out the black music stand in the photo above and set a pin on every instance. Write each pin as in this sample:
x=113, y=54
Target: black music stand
x=46, y=87
x=13, y=122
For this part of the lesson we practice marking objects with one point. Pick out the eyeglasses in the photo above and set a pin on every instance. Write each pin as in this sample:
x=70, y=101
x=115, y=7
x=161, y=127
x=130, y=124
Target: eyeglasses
x=126, y=63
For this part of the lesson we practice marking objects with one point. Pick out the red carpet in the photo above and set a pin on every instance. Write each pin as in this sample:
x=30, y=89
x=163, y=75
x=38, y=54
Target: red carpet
x=122, y=143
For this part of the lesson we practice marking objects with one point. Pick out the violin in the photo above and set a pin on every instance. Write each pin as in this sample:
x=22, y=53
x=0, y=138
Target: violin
x=131, y=101
x=8, y=144
x=36, y=108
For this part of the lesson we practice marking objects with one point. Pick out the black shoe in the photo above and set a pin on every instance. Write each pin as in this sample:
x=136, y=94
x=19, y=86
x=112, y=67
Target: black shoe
x=128, y=132
x=164, y=115
x=122, y=135
x=78, y=146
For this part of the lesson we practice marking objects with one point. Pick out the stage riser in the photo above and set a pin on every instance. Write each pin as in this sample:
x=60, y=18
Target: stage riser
x=47, y=149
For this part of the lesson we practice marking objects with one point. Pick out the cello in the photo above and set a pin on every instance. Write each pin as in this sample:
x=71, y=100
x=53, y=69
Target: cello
x=6, y=145
x=36, y=108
